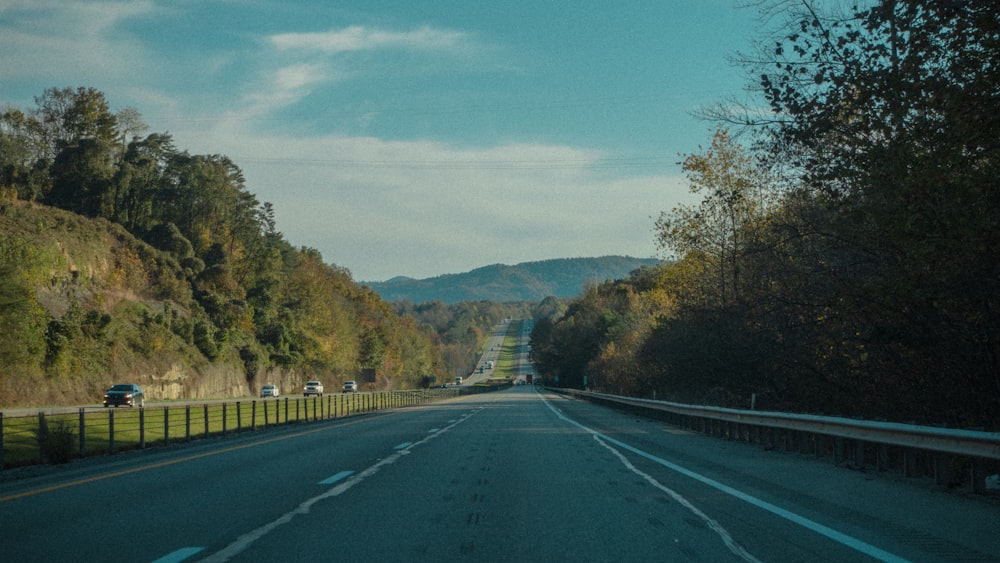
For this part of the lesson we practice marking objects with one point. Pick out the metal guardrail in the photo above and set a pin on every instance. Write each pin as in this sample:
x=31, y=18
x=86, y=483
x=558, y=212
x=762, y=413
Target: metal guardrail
x=974, y=453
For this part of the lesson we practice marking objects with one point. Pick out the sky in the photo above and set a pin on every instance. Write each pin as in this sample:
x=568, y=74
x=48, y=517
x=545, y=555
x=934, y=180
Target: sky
x=413, y=137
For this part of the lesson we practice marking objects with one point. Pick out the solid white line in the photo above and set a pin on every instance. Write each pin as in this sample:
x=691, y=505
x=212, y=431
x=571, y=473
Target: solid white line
x=403, y=446
x=433, y=430
x=830, y=533
x=338, y=477
x=179, y=555
x=727, y=539
x=246, y=540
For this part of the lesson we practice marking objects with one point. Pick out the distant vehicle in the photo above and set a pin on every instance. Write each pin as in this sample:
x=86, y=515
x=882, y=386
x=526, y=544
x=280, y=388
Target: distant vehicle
x=124, y=394
x=458, y=381
x=312, y=388
x=489, y=364
x=269, y=391
x=350, y=387
x=528, y=378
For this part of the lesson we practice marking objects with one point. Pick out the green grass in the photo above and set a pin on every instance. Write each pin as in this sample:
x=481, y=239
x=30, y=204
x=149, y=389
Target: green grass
x=504, y=368
x=151, y=426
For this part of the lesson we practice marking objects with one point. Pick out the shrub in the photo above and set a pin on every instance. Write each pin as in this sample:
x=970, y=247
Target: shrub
x=55, y=441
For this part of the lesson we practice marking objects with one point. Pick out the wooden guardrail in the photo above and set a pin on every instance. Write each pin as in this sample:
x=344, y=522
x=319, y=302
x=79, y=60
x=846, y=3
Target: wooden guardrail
x=951, y=456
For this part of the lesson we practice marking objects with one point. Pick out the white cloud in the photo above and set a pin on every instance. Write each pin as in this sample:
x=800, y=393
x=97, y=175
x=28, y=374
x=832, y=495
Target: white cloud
x=378, y=207
x=361, y=38
x=69, y=40
x=285, y=86
x=420, y=208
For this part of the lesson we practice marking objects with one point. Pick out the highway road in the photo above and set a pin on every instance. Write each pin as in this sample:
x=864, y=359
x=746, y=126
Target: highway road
x=515, y=475
x=491, y=352
x=522, y=474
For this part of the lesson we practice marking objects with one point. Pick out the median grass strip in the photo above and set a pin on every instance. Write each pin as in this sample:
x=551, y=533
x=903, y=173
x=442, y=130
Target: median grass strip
x=504, y=369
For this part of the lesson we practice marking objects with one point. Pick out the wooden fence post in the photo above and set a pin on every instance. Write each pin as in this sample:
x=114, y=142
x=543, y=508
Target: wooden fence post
x=83, y=442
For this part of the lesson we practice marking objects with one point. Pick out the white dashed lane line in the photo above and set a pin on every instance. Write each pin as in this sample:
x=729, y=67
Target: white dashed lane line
x=350, y=480
x=338, y=477
x=180, y=555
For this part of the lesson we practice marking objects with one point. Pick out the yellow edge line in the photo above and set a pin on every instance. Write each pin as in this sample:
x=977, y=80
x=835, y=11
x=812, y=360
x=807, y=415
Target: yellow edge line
x=34, y=492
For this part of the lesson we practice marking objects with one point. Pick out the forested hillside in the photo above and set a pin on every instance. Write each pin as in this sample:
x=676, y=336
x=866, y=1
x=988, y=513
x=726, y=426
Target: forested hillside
x=844, y=262
x=528, y=281
x=125, y=258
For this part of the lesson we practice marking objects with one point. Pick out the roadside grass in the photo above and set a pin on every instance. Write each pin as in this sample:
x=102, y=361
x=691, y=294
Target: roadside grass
x=33, y=439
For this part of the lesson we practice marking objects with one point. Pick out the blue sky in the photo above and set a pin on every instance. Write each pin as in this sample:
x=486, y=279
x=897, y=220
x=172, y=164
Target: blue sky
x=412, y=137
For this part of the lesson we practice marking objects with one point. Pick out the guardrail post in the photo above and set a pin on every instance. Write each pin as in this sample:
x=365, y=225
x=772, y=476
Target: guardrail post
x=111, y=429
x=224, y=405
x=263, y=403
x=909, y=463
x=239, y=419
x=253, y=415
x=1, y=440
x=83, y=442
x=942, y=469
x=820, y=445
x=206, y=420
x=881, y=457
x=166, y=425
x=286, y=410
x=978, y=476
x=142, y=427
x=43, y=435
x=187, y=423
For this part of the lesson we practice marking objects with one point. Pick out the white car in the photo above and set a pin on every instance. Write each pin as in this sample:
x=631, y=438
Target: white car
x=350, y=387
x=312, y=388
x=269, y=391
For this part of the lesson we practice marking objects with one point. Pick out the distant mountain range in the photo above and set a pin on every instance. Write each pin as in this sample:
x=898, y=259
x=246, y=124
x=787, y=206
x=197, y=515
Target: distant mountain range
x=528, y=281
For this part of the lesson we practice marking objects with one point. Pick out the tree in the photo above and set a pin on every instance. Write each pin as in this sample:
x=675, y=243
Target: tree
x=67, y=116
x=891, y=118
x=723, y=227
x=82, y=179
x=141, y=176
x=22, y=163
